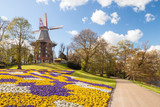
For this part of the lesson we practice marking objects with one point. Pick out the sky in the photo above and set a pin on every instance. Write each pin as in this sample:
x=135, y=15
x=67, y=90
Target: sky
x=113, y=20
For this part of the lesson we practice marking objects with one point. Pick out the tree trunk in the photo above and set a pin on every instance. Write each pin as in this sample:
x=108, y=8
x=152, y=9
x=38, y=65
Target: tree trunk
x=19, y=61
x=101, y=72
x=86, y=65
x=19, y=54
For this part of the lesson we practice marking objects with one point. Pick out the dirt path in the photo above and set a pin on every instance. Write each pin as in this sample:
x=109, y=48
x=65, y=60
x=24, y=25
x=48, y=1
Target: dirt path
x=128, y=94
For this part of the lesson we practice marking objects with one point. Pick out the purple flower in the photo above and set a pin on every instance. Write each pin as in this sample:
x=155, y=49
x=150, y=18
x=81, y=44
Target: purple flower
x=4, y=74
x=26, y=84
x=48, y=90
x=8, y=80
x=25, y=76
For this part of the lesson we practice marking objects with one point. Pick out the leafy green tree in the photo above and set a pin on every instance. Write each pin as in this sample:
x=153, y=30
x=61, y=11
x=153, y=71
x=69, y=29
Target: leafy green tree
x=20, y=29
x=36, y=46
x=111, y=65
x=5, y=52
x=30, y=58
x=101, y=56
x=25, y=54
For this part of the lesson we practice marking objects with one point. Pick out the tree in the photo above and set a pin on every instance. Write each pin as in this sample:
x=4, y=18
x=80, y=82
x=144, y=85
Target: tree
x=36, y=48
x=99, y=59
x=25, y=53
x=6, y=52
x=61, y=52
x=20, y=29
x=68, y=49
x=74, y=61
x=85, y=45
x=111, y=65
x=124, y=52
x=30, y=58
x=146, y=64
x=3, y=28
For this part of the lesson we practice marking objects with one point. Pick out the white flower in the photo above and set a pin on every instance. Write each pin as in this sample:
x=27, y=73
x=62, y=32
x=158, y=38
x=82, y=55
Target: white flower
x=84, y=85
x=32, y=79
x=37, y=73
x=15, y=72
x=13, y=88
x=63, y=103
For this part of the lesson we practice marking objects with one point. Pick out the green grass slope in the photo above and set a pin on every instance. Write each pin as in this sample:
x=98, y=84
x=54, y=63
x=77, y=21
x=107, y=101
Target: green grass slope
x=150, y=87
x=78, y=73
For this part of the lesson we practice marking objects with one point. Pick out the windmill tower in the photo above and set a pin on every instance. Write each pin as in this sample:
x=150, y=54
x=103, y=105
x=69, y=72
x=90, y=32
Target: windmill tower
x=45, y=53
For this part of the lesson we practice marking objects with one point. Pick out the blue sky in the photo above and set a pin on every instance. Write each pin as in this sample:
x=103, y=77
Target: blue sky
x=114, y=20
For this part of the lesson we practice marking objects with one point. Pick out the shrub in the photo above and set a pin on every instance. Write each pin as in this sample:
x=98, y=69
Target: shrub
x=73, y=65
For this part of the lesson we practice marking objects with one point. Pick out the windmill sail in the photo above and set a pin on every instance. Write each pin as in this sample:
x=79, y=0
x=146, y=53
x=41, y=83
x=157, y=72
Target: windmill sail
x=45, y=20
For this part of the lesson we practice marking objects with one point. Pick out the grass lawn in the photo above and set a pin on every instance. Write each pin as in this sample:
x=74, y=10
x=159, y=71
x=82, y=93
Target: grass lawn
x=150, y=87
x=77, y=73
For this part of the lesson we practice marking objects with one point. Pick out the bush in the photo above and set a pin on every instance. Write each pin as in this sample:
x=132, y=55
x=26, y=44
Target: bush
x=73, y=65
x=2, y=65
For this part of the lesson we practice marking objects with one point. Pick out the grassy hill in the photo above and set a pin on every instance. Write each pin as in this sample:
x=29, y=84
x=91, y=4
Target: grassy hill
x=77, y=73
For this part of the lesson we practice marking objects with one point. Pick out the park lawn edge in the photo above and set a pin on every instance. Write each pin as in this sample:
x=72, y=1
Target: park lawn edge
x=148, y=86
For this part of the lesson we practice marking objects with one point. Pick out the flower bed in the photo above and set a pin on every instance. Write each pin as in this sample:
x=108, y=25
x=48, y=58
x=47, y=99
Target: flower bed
x=44, y=88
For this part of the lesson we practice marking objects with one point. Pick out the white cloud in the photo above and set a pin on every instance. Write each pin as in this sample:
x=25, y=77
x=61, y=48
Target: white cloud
x=156, y=47
x=71, y=4
x=42, y=1
x=114, y=38
x=134, y=35
x=100, y=17
x=114, y=18
x=138, y=5
x=73, y=32
x=84, y=19
x=53, y=0
x=105, y=3
x=4, y=18
x=149, y=17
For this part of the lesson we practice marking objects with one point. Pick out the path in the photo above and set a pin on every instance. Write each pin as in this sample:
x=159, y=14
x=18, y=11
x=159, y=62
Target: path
x=128, y=94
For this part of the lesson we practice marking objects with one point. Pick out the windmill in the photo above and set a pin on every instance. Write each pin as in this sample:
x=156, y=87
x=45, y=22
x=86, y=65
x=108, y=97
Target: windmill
x=45, y=46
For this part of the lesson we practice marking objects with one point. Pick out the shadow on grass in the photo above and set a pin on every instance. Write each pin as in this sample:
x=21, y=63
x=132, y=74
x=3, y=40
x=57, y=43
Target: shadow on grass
x=86, y=75
x=54, y=66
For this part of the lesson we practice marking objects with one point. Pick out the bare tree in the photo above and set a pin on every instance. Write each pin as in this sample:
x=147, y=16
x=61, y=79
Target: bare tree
x=67, y=51
x=124, y=51
x=3, y=28
x=85, y=45
x=145, y=47
x=61, y=52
